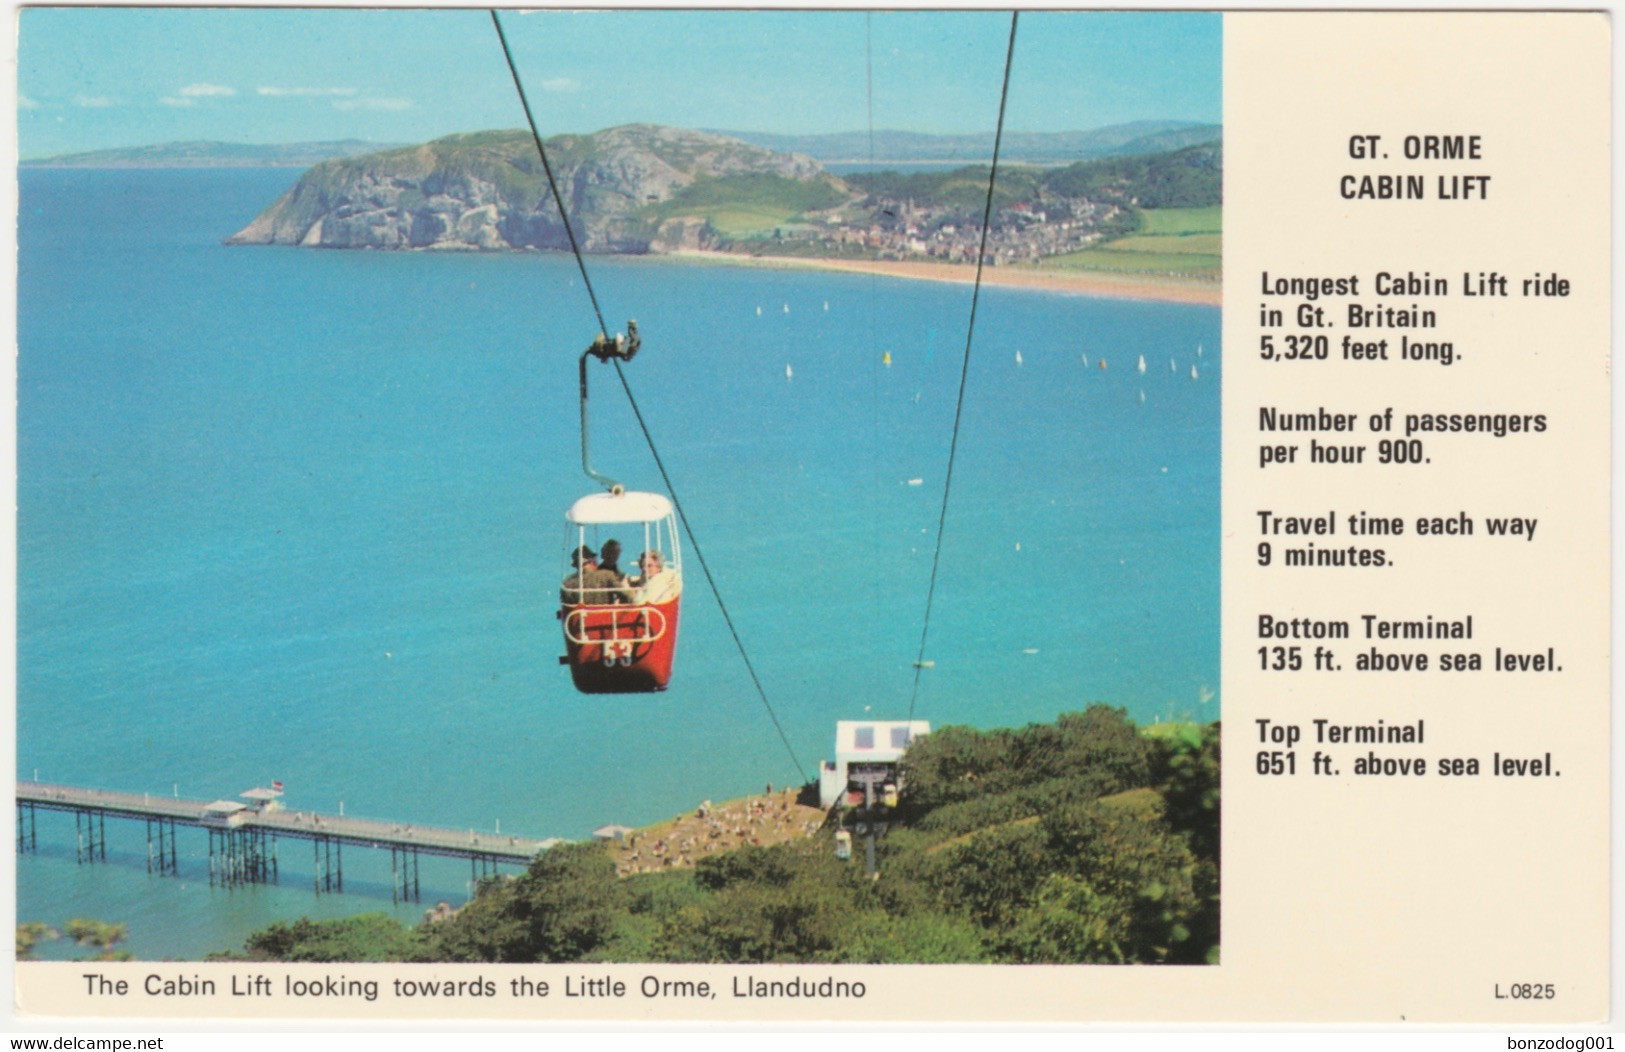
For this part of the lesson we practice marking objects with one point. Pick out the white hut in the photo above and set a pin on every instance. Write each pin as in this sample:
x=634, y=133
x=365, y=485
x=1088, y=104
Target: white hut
x=225, y=814
x=866, y=751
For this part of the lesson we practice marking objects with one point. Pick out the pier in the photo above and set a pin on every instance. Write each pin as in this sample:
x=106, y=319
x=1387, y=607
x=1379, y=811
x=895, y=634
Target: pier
x=243, y=838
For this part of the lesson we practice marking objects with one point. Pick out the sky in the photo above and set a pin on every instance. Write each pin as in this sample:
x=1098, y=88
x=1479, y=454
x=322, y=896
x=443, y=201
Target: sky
x=101, y=77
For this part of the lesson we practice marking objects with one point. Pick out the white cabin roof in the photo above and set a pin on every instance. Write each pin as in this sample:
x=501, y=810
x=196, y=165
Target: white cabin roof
x=631, y=506
x=877, y=741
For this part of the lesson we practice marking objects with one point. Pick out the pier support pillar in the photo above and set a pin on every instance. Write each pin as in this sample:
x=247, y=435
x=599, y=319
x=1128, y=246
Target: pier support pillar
x=480, y=867
x=329, y=864
x=27, y=834
x=91, y=828
x=241, y=856
x=403, y=868
x=161, y=848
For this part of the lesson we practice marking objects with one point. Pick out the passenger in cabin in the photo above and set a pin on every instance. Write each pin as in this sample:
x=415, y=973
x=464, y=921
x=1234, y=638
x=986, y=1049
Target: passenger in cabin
x=658, y=584
x=610, y=556
x=585, y=560
x=612, y=585
x=595, y=583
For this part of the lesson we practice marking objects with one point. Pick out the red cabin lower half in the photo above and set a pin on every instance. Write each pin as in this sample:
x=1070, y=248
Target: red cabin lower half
x=620, y=649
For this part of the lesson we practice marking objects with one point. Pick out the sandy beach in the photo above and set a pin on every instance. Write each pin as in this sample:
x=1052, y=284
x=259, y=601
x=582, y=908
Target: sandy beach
x=1168, y=289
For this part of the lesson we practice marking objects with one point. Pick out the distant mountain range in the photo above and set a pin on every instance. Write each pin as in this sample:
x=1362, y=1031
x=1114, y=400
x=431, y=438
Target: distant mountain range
x=1118, y=140
x=208, y=154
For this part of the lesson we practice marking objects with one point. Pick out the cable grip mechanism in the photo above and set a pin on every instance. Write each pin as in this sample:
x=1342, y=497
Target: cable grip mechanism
x=604, y=348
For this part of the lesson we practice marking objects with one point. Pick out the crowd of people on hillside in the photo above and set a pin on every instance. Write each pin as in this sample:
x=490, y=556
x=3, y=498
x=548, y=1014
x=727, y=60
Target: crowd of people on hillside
x=758, y=822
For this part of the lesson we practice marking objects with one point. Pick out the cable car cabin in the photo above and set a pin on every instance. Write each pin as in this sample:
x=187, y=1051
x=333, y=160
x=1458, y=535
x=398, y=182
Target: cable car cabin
x=620, y=622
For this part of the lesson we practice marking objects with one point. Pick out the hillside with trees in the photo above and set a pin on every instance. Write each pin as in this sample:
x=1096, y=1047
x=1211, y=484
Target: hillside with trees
x=1088, y=840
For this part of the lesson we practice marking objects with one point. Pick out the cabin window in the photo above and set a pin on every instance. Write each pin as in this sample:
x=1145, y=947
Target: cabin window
x=899, y=737
x=864, y=738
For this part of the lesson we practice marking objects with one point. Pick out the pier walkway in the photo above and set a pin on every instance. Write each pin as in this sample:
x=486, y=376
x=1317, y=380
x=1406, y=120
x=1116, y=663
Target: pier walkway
x=242, y=838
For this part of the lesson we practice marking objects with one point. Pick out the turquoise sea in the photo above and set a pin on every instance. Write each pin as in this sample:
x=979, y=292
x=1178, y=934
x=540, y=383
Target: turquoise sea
x=297, y=515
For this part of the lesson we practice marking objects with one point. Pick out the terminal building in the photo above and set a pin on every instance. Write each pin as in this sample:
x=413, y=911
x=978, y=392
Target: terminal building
x=868, y=754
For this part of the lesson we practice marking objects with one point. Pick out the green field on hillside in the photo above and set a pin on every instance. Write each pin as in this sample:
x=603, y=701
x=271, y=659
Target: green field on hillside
x=1185, y=241
x=747, y=205
x=748, y=222
x=1181, y=222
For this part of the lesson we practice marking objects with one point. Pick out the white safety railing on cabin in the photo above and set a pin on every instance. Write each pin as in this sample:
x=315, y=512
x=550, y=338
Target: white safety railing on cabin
x=647, y=625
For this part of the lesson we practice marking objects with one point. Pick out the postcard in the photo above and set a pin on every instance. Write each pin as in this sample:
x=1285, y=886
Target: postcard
x=819, y=516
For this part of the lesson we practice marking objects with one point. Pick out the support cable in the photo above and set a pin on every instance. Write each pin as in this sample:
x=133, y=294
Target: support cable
x=964, y=369
x=581, y=263
x=695, y=545
x=541, y=151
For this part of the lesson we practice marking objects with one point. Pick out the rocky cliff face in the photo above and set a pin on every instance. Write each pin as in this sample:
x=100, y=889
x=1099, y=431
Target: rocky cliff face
x=489, y=191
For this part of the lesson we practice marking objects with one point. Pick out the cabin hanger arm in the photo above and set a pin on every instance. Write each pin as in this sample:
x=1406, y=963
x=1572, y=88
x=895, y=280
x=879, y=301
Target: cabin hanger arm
x=604, y=348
